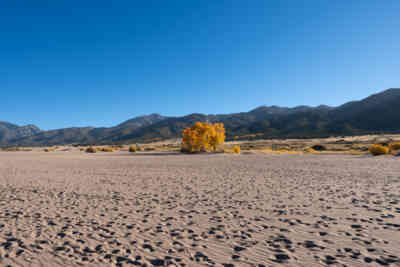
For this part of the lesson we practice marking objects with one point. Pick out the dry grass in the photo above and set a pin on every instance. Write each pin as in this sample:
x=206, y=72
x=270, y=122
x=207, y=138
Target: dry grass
x=108, y=149
x=310, y=150
x=11, y=149
x=355, y=145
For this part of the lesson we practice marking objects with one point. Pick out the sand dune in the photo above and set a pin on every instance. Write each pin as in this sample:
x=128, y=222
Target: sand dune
x=73, y=209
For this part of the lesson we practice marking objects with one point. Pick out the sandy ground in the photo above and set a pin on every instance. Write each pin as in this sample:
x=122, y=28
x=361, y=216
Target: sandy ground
x=73, y=208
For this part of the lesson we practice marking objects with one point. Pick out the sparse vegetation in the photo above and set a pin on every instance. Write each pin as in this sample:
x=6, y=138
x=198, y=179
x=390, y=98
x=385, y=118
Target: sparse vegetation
x=310, y=150
x=107, y=149
x=91, y=150
x=12, y=149
x=48, y=149
x=236, y=149
x=132, y=149
x=203, y=137
x=377, y=150
x=394, y=146
x=319, y=147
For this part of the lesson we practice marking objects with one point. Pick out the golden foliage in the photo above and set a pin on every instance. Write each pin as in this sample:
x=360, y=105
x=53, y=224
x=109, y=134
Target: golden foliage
x=236, y=149
x=377, y=150
x=91, y=150
x=395, y=146
x=132, y=149
x=203, y=136
x=107, y=149
x=310, y=150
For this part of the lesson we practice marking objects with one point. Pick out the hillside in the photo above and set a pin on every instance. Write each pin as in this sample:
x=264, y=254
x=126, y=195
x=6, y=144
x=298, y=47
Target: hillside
x=88, y=135
x=9, y=131
x=378, y=113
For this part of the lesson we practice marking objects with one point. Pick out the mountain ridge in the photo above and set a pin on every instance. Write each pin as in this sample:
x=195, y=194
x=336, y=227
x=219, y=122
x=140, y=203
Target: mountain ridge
x=373, y=114
x=12, y=131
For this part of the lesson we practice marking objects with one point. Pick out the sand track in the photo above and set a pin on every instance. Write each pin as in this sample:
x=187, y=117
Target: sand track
x=73, y=209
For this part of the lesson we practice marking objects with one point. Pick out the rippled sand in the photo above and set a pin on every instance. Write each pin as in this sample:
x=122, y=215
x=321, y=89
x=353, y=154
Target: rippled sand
x=73, y=208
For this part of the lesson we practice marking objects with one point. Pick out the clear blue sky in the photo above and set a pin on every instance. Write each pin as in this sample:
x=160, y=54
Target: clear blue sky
x=78, y=63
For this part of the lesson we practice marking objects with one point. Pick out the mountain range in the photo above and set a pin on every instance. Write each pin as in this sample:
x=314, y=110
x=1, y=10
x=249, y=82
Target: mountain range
x=378, y=113
x=9, y=131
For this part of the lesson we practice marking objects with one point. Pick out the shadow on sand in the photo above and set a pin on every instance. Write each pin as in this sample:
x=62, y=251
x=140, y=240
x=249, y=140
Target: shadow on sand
x=139, y=154
x=160, y=153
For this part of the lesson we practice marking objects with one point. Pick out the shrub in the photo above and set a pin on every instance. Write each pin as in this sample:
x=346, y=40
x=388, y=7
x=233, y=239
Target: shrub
x=395, y=146
x=132, y=149
x=48, y=149
x=377, y=150
x=108, y=149
x=310, y=150
x=203, y=137
x=236, y=149
x=12, y=149
x=318, y=147
x=91, y=150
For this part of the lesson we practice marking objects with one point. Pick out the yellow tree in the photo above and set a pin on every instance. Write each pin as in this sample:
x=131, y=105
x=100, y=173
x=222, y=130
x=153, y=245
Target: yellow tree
x=203, y=137
x=217, y=136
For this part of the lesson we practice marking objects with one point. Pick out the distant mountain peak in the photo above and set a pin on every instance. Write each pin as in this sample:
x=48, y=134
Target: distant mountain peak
x=142, y=120
x=10, y=131
x=392, y=89
x=377, y=113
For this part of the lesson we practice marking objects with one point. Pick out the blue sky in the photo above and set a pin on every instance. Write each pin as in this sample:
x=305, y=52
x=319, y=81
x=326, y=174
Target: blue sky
x=98, y=63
